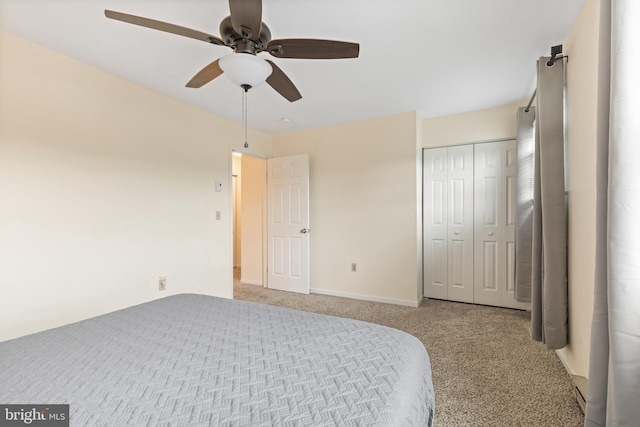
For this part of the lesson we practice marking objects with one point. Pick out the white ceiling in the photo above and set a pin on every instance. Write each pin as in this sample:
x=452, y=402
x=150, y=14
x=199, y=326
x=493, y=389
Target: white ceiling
x=436, y=57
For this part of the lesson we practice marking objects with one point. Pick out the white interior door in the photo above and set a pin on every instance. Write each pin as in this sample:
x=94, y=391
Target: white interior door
x=288, y=223
x=435, y=223
x=460, y=223
x=488, y=223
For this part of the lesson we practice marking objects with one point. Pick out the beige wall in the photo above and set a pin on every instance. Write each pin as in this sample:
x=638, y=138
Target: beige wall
x=363, y=200
x=254, y=185
x=582, y=110
x=104, y=186
x=474, y=126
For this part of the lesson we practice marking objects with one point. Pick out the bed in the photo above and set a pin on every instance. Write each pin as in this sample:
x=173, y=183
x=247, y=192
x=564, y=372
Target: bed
x=196, y=360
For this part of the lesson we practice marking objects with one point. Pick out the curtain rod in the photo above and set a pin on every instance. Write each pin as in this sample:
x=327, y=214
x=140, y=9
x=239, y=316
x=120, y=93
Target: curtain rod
x=526, y=110
x=555, y=51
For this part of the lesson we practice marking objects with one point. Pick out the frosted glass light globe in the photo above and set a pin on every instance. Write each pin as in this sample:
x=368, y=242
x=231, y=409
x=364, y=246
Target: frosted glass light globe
x=245, y=69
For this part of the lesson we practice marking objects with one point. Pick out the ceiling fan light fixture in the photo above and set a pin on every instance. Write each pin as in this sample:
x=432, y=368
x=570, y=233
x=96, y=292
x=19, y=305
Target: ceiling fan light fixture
x=245, y=69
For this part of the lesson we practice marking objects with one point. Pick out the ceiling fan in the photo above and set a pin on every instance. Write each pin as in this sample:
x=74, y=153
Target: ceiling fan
x=245, y=33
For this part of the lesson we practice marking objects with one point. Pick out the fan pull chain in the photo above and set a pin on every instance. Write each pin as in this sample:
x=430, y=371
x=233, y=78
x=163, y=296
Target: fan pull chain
x=244, y=113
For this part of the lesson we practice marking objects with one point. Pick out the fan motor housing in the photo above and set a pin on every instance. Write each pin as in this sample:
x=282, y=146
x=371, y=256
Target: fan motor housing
x=239, y=44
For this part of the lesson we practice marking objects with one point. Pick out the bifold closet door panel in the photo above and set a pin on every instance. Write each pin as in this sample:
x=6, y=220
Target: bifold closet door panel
x=460, y=223
x=488, y=260
x=494, y=224
x=509, y=172
x=435, y=223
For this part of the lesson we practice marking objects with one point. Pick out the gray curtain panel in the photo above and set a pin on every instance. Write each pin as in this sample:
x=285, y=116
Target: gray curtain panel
x=524, y=202
x=549, y=229
x=614, y=365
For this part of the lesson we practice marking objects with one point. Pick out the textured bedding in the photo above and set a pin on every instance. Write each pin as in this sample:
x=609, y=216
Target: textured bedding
x=192, y=360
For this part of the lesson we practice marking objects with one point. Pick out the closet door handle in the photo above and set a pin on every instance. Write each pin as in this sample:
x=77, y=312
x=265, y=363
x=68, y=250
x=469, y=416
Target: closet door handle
x=490, y=233
x=456, y=232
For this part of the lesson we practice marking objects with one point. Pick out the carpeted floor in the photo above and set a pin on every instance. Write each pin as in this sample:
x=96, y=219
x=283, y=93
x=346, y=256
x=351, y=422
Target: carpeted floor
x=486, y=369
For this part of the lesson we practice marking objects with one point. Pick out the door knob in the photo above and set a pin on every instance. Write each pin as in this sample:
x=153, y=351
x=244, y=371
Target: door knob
x=305, y=230
x=490, y=233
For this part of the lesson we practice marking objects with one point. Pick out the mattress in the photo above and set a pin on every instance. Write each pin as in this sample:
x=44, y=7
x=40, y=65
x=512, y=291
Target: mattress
x=195, y=360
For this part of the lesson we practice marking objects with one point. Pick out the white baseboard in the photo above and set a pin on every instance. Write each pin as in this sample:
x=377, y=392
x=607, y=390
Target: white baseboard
x=365, y=297
x=251, y=282
x=580, y=382
x=565, y=363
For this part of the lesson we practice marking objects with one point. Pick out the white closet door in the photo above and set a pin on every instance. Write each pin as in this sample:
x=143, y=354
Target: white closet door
x=460, y=223
x=469, y=223
x=435, y=223
x=488, y=262
x=509, y=227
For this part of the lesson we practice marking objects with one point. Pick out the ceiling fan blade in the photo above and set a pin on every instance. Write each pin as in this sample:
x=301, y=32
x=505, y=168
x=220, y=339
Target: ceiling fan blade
x=281, y=83
x=246, y=17
x=205, y=75
x=312, y=49
x=163, y=26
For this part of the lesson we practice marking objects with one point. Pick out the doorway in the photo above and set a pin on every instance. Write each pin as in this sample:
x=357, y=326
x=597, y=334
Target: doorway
x=249, y=212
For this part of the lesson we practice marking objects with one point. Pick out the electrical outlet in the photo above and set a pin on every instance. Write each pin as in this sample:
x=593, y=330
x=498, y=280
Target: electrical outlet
x=354, y=267
x=162, y=283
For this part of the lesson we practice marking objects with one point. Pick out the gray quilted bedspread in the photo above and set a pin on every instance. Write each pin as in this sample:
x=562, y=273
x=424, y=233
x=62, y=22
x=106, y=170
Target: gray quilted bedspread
x=195, y=360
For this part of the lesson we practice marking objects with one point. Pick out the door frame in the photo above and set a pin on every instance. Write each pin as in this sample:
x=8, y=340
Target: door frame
x=245, y=151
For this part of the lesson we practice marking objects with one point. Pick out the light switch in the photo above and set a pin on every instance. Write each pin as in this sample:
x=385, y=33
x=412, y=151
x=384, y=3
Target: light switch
x=218, y=186
x=217, y=215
